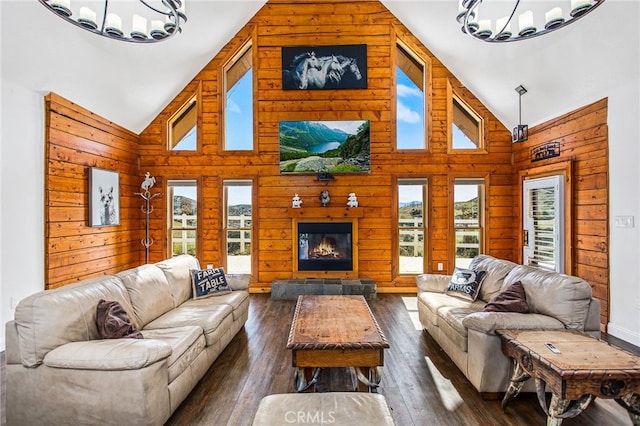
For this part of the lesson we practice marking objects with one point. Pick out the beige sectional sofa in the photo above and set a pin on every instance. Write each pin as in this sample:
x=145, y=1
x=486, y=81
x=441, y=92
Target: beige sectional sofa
x=60, y=372
x=467, y=333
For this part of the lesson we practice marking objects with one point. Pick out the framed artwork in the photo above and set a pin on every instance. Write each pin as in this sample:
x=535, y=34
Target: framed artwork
x=104, y=197
x=324, y=67
x=342, y=146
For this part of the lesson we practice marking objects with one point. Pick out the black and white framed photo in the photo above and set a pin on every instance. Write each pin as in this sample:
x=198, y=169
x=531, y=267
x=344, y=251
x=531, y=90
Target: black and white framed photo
x=324, y=67
x=104, y=197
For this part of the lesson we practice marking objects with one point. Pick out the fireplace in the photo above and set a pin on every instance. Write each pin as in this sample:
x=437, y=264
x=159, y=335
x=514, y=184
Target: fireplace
x=325, y=242
x=325, y=246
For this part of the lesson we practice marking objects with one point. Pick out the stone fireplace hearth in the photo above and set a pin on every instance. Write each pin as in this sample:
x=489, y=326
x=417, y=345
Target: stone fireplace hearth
x=290, y=289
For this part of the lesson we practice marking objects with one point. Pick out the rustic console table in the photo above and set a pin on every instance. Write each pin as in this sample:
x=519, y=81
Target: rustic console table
x=584, y=368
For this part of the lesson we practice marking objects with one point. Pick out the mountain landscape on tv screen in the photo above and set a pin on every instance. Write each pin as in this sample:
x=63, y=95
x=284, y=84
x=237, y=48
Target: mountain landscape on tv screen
x=315, y=147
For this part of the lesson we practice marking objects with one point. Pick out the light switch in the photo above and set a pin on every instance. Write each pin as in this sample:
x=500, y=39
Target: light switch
x=624, y=221
x=440, y=266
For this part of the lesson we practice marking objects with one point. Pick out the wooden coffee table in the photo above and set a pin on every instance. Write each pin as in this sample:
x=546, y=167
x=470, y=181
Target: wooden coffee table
x=335, y=331
x=584, y=369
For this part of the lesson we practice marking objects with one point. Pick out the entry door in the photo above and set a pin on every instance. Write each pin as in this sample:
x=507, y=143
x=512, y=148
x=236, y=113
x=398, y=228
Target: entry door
x=543, y=240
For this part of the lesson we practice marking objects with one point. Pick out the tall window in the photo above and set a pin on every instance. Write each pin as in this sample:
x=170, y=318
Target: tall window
x=238, y=224
x=466, y=126
x=468, y=196
x=410, y=98
x=183, y=127
x=183, y=217
x=238, y=107
x=411, y=225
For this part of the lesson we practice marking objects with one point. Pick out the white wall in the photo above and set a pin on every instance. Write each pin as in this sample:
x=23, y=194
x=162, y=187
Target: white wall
x=21, y=197
x=624, y=198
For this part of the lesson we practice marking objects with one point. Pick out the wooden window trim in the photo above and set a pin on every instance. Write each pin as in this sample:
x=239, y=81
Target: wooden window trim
x=237, y=54
x=485, y=213
x=166, y=247
x=401, y=37
x=194, y=90
x=459, y=96
x=409, y=279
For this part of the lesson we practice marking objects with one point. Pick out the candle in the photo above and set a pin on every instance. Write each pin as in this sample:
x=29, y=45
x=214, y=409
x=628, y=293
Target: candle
x=64, y=3
x=484, y=25
x=114, y=21
x=575, y=4
x=526, y=20
x=157, y=26
x=502, y=23
x=139, y=24
x=87, y=14
x=553, y=14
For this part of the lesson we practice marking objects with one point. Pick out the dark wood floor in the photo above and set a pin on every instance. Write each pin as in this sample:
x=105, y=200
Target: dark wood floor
x=421, y=384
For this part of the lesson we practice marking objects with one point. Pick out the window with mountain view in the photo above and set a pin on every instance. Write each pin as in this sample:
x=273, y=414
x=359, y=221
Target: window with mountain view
x=468, y=198
x=411, y=225
x=183, y=217
x=238, y=225
x=238, y=102
x=410, y=100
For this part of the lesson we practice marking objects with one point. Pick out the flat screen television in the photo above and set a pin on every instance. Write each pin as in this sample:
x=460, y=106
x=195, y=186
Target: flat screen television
x=314, y=147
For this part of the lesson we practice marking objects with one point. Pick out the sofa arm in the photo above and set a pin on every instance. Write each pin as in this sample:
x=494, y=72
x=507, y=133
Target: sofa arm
x=109, y=354
x=435, y=283
x=489, y=322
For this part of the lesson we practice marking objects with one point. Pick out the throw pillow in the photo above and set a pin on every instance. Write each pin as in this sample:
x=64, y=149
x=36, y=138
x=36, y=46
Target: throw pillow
x=113, y=322
x=511, y=299
x=209, y=282
x=465, y=283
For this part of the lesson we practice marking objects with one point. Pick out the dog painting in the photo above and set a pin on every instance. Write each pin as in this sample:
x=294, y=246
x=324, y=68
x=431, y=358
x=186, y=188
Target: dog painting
x=104, y=198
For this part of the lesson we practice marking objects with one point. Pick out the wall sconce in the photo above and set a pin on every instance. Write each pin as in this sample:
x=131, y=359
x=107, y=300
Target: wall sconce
x=521, y=131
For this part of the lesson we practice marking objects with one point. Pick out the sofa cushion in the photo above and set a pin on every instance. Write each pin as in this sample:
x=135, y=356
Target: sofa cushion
x=561, y=296
x=149, y=291
x=497, y=270
x=52, y=318
x=511, y=299
x=186, y=343
x=465, y=283
x=209, y=282
x=110, y=355
x=208, y=317
x=178, y=273
x=450, y=323
x=436, y=301
x=236, y=300
x=489, y=322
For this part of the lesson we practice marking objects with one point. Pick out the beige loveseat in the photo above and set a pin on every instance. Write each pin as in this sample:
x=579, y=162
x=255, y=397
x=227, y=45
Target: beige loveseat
x=467, y=334
x=60, y=372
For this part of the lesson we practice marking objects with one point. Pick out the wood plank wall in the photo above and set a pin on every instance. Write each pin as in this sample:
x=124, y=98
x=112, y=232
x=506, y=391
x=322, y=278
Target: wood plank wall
x=295, y=23
x=583, y=137
x=75, y=140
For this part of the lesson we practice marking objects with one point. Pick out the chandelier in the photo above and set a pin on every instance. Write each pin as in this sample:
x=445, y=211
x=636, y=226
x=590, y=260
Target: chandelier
x=477, y=21
x=106, y=18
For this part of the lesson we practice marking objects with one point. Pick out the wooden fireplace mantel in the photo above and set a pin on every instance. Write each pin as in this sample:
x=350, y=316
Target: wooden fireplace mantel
x=326, y=214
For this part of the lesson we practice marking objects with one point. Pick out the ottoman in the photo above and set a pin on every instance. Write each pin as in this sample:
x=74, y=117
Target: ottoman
x=339, y=408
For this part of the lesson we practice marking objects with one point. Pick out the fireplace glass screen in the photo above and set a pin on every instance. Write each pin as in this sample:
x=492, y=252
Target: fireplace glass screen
x=325, y=247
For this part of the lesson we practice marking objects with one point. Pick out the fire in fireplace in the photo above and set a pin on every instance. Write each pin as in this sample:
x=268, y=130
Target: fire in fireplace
x=325, y=246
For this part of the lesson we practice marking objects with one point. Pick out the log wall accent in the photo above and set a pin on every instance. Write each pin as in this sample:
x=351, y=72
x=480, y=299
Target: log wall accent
x=583, y=137
x=75, y=140
x=297, y=23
